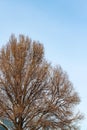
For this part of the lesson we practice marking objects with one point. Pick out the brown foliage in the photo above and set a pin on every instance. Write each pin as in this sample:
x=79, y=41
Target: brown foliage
x=33, y=94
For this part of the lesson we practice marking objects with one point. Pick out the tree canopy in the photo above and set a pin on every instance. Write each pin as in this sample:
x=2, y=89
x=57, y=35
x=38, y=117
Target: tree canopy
x=34, y=95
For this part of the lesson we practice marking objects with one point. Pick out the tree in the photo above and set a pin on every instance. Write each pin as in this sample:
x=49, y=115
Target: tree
x=33, y=94
x=3, y=126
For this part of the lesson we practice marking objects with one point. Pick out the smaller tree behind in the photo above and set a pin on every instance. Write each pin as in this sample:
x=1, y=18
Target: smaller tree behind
x=33, y=94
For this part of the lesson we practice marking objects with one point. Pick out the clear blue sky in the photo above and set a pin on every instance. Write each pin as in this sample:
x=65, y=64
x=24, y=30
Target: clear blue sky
x=61, y=25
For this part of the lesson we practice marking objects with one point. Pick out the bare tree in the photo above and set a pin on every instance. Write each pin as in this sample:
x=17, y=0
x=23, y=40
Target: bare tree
x=33, y=94
x=3, y=126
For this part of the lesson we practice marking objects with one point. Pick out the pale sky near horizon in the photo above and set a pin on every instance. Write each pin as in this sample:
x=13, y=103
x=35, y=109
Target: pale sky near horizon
x=61, y=26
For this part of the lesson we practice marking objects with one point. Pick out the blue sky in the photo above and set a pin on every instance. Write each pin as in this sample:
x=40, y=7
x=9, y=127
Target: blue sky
x=61, y=26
